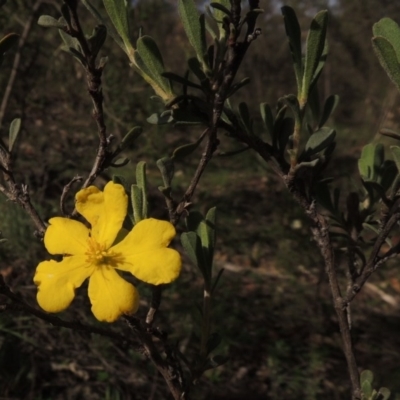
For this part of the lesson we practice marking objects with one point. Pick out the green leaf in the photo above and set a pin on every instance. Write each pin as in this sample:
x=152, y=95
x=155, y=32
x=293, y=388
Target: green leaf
x=194, y=27
x=192, y=245
x=195, y=67
x=167, y=169
x=137, y=203
x=388, y=29
x=388, y=59
x=220, y=10
x=129, y=139
x=159, y=119
x=267, y=117
x=141, y=182
x=329, y=107
x=320, y=66
x=120, y=162
x=117, y=10
x=49, y=22
x=110, y=28
x=245, y=118
x=72, y=46
x=366, y=389
x=97, y=39
x=293, y=33
x=15, y=128
x=319, y=140
x=371, y=160
x=183, y=151
x=384, y=393
x=366, y=376
x=152, y=58
x=396, y=156
x=315, y=47
x=293, y=103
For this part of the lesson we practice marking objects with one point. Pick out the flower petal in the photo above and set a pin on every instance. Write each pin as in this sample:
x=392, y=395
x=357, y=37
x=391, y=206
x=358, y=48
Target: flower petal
x=89, y=203
x=148, y=234
x=57, y=281
x=66, y=236
x=157, y=267
x=105, y=210
x=111, y=295
x=145, y=254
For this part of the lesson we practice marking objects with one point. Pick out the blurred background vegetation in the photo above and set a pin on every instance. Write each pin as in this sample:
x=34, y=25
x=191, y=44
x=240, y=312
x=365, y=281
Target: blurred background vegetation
x=277, y=321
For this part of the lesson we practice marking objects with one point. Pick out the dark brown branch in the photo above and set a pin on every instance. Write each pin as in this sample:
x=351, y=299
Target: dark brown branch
x=93, y=79
x=374, y=261
x=56, y=321
x=65, y=192
x=17, y=59
x=168, y=367
x=321, y=235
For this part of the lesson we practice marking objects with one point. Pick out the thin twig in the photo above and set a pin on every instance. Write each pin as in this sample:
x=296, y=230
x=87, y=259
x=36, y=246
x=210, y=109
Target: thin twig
x=65, y=192
x=170, y=372
x=374, y=261
x=17, y=59
x=56, y=321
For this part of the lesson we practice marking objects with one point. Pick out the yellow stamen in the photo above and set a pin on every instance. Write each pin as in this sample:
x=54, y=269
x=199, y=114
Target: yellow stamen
x=98, y=254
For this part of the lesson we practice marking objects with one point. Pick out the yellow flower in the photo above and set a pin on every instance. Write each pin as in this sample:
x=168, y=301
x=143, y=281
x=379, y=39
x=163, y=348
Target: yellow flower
x=90, y=253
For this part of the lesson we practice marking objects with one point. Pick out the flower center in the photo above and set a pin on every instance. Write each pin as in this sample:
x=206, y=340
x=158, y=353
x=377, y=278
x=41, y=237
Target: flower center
x=98, y=254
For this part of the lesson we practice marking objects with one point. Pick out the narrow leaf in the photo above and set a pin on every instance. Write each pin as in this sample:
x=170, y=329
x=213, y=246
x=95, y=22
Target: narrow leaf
x=194, y=27
x=117, y=10
x=268, y=119
x=388, y=29
x=388, y=59
x=167, y=169
x=366, y=161
x=15, y=128
x=49, y=22
x=183, y=151
x=293, y=33
x=152, y=58
x=366, y=376
x=110, y=28
x=137, y=203
x=329, y=107
x=315, y=46
x=319, y=140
